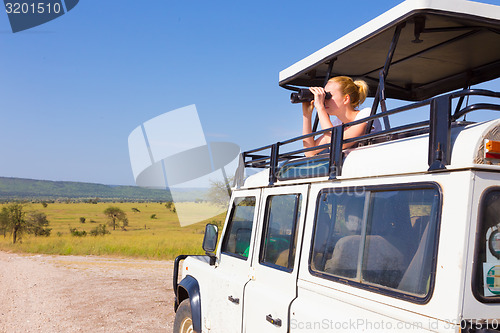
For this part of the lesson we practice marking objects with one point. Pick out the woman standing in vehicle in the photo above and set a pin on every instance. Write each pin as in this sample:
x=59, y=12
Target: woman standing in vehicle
x=347, y=95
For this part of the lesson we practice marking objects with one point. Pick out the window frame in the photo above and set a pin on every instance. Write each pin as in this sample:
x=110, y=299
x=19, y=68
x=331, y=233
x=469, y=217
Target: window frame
x=477, y=266
x=265, y=228
x=230, y=221
x=365, y=285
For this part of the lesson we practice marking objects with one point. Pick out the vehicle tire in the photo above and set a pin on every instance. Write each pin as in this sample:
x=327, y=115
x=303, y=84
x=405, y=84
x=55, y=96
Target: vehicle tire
x=183, y=322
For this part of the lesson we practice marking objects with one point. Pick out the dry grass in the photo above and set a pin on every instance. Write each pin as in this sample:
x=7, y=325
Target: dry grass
x=159, y=238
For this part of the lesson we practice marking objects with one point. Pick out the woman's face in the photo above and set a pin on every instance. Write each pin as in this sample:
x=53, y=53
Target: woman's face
x=334, y=104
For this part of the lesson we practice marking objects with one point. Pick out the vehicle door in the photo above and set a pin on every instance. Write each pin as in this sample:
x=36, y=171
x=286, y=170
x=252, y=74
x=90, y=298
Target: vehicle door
x=275, y=263
x=223, y=302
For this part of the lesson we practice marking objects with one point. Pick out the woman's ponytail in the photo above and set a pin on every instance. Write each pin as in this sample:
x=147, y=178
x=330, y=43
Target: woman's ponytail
x=362, y=91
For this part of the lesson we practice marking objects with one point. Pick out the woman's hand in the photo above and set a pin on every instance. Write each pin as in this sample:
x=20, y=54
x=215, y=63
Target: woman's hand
x=319, y=97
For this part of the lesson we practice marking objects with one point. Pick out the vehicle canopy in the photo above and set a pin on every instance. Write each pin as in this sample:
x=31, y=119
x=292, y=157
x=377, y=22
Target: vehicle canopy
x=438, y=47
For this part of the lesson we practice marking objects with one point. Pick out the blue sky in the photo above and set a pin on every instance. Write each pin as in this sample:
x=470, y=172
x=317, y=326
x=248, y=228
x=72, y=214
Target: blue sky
x=73, y=89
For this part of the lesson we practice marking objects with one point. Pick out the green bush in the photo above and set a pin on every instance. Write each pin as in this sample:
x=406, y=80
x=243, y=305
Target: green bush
x=77, y=233
x=100, y=230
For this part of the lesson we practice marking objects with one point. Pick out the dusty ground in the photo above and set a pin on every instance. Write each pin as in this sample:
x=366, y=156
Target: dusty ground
x=41, y=293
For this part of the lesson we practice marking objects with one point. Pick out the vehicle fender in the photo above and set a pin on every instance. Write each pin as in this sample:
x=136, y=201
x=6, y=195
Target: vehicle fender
x=189, y=288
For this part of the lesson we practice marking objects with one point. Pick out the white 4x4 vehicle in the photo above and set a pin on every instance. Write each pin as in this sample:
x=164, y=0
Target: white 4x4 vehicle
x=400, y=233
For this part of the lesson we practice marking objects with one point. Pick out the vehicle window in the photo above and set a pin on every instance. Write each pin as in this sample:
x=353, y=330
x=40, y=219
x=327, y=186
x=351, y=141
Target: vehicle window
x=383, y=238
x=239, y=229
x=487, y=274
x=315, y=167
x=279, y=238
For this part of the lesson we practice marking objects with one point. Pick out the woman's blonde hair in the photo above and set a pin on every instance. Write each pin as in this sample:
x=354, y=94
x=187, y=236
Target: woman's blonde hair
x=357, y=90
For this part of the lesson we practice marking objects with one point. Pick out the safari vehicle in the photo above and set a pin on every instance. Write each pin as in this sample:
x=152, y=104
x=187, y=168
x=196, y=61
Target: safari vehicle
x=398, y=233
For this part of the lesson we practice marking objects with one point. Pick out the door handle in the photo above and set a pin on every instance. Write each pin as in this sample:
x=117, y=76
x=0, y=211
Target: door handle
x=234, y=300
x=275, y=322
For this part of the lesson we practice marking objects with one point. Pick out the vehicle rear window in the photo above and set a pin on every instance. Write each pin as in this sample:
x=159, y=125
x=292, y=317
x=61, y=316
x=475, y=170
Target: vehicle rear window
x=382, y=238
x=486, y=282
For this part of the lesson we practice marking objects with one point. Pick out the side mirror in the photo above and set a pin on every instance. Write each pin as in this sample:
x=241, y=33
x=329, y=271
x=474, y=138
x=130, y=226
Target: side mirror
x=210, y=241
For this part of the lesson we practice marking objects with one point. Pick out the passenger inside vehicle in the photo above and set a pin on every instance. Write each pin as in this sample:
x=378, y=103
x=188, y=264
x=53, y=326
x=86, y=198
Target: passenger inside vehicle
x=336, y=220
x=345, y=242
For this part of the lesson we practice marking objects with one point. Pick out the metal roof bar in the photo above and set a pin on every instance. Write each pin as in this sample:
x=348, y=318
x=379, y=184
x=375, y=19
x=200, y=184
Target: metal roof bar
x=380, y=94
x=327, y=77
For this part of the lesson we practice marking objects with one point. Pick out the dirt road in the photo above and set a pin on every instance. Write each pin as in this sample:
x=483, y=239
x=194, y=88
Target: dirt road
x=41, y=293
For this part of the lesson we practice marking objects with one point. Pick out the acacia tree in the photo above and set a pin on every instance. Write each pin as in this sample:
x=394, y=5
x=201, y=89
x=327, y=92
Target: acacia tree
x=116, y=216
x=4, y=221
x=37, y=224
x=220, y=192
x=15, y=220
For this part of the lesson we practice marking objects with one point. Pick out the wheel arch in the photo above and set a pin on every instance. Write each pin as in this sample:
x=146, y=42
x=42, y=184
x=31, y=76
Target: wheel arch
x=189, y=288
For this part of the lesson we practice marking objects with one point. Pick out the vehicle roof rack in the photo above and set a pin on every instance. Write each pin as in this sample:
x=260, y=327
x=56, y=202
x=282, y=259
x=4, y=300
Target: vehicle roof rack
x=438, y=126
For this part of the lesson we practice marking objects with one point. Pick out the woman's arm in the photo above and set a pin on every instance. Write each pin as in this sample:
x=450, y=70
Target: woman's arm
x=307, y=109
x=309, y=142
x=352, y=132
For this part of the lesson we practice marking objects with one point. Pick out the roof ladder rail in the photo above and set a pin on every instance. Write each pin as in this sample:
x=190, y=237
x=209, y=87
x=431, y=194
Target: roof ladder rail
x=273, y=164
x=383, y=106
x=439, y=154
x=461, y=101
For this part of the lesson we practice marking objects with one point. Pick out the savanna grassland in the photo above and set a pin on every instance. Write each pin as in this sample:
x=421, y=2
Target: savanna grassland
x=153, y=231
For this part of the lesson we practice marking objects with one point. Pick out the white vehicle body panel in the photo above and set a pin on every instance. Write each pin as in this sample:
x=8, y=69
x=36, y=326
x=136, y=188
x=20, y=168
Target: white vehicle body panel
x=271, y=290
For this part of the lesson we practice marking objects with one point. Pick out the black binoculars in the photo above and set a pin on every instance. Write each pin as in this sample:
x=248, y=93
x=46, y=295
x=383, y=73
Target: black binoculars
x=305, y=95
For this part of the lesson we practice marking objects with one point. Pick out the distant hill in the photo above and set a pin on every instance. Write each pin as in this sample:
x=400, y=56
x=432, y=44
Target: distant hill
x=31, y=189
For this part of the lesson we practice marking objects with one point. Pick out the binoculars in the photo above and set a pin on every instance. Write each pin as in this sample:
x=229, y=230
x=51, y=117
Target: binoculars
x=305, y=95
